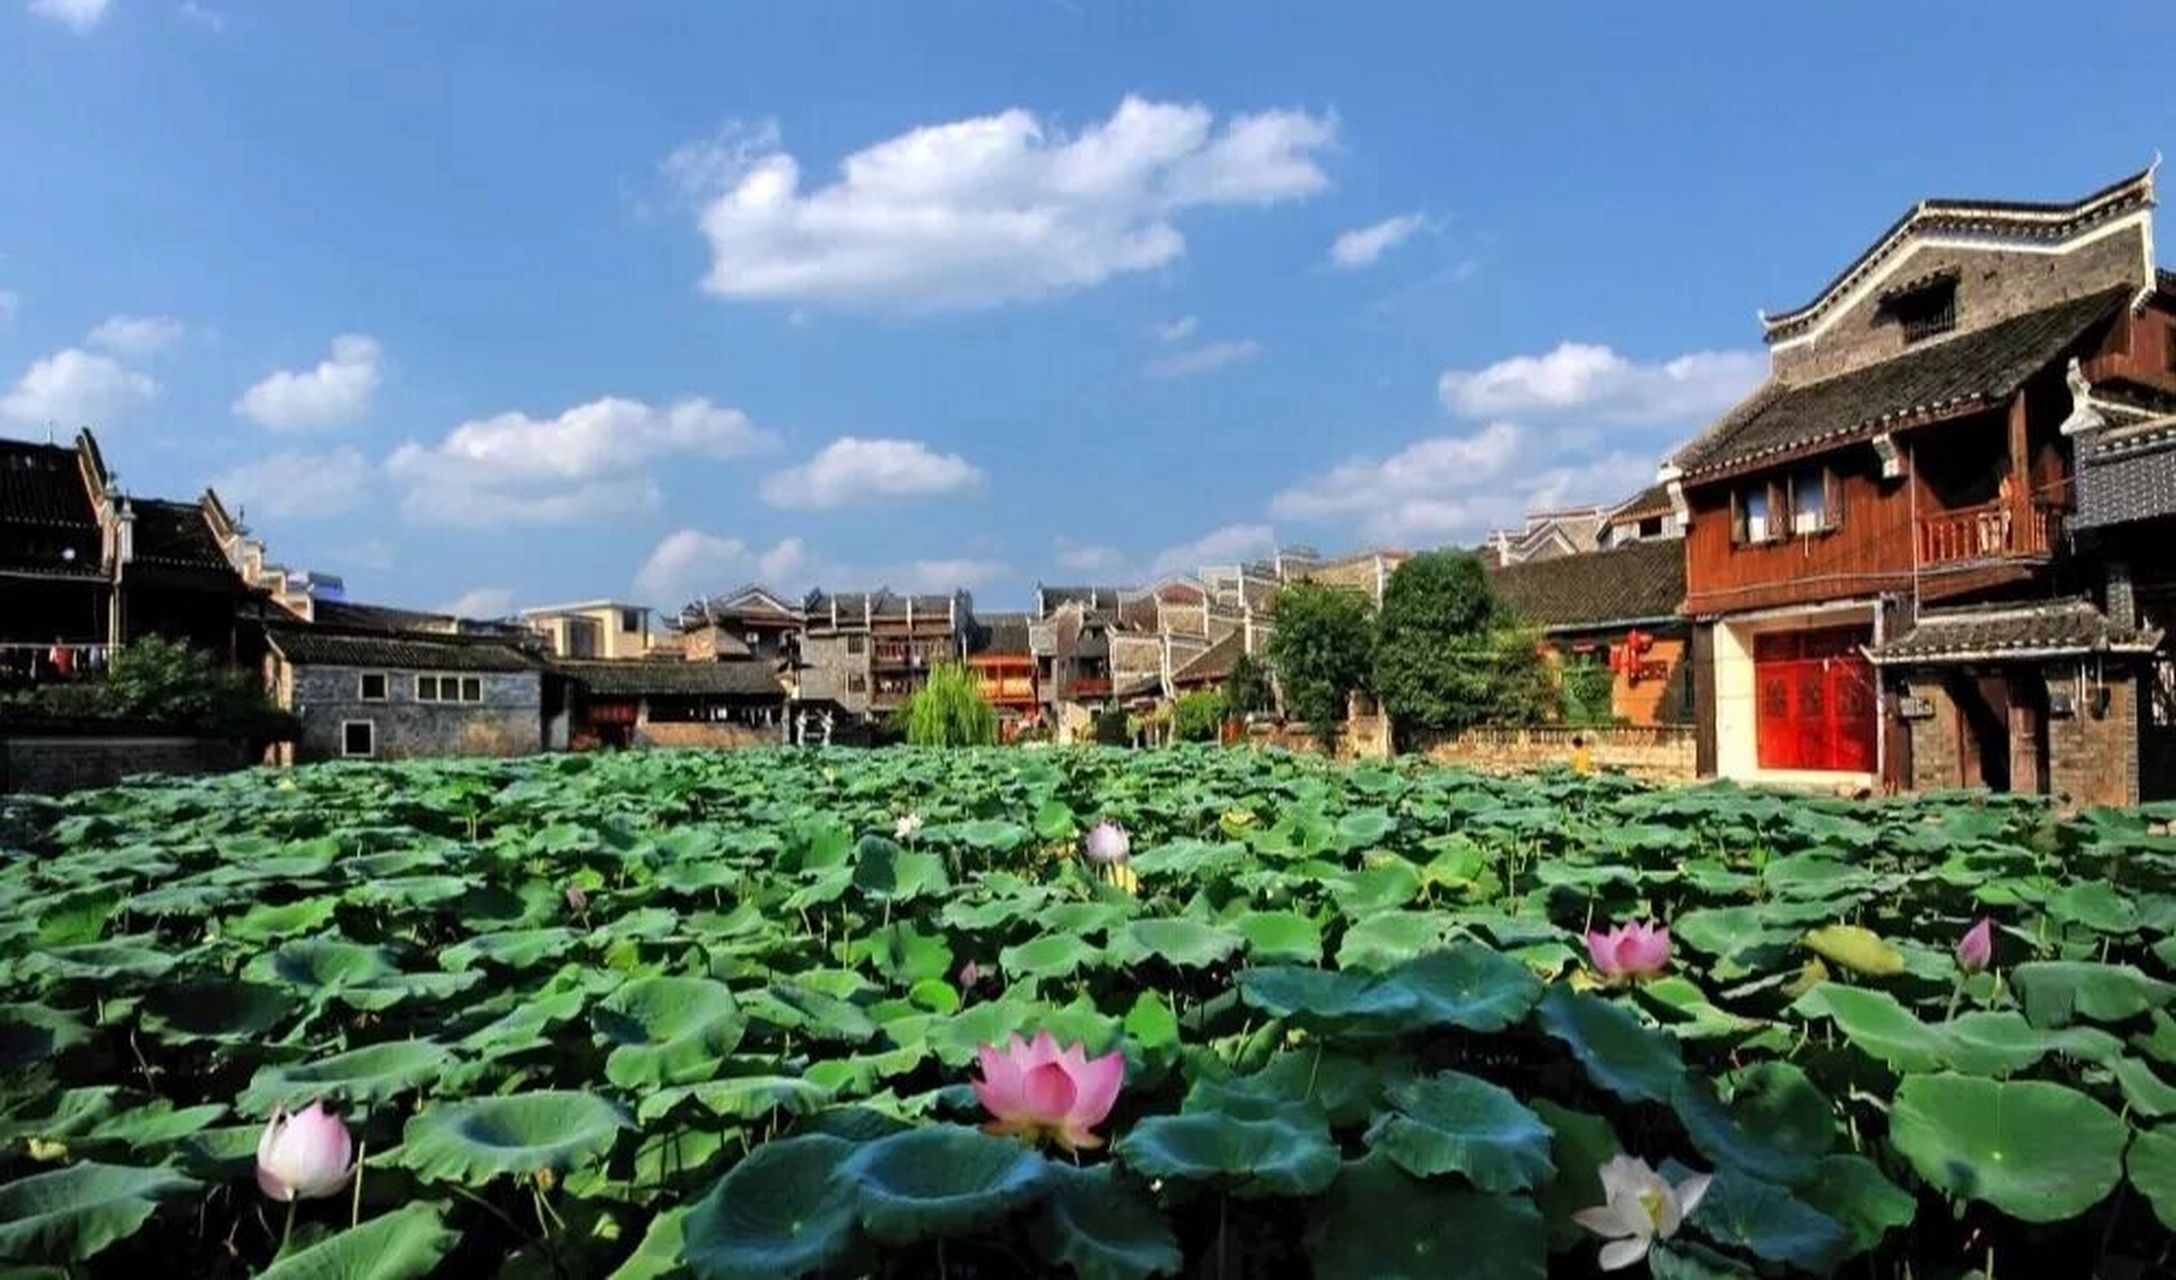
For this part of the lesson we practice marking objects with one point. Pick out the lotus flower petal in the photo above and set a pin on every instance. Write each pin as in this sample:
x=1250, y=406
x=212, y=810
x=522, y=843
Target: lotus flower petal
x=1037, y=1089
x=1629, y=951
x=304, y=1156
x=1107, y=844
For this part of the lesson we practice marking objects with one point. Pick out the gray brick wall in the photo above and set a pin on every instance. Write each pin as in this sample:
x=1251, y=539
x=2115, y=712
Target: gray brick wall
x=829, y=670
x=509, y=721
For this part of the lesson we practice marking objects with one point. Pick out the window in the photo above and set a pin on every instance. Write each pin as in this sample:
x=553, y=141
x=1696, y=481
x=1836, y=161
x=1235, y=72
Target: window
x=358, y=737
x=1651, y=527
x=1813, y=500
x=1751, y=518
x=449, y=689
x=630, y=619
x=857, y=644
x=371, y=686
x=857, y=684
x=1926, y=310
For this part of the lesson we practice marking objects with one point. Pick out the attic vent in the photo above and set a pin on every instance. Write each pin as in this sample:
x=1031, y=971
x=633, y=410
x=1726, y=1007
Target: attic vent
x=1924, y=308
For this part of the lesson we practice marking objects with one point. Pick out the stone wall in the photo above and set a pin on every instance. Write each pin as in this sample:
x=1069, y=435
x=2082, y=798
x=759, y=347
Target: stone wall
x=1663, y=753
x=58, y=763
x=1937, y=754
x=713, y=735
x=830, y=670
x=2093, y=758
x=509, y=721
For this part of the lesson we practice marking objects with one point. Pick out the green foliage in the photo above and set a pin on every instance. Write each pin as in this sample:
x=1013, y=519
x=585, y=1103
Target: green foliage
x=1323, y=650
x=1357, y=1037
x=1247, y=689
x=1447, y=656
x=950, y=711
x=1585, y=689
x=1198, y=717
x=167, y=682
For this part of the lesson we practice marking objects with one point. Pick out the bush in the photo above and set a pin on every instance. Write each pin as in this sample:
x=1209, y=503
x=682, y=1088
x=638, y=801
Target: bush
x=1448, y=655
x=1246, y=689
x=950, y=711
x=1113, y=729
x=1324, y=650
x=1197, y=717
x=1585, y=690
x=169, y=683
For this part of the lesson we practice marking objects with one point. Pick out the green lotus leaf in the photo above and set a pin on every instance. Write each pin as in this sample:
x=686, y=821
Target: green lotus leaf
x=883, y=870
x=478, y=1139
x=941, y=1181
x=1379, y=1224
x=1054, y=955
x=1684, y=1258
x=1372, y=889
x=33, y=1033
x=405, y=1244
x=2144, y=1091
x=227, y=1011
x=2097, y=905
x=2059, y=992
x=1858, y=949
x=667, y=1030
x=740, y=1097
x=1280, y=937
x=408, y=891
x=1196, y=860
x=322, y=965
x=1718, y=1134
x=658, y=1256
x=1466, y=985
x=1103, y=1226
x=699, y=878
x=155, y=1125
x=1765, y=1220
x=266, y=922
x=2037, y=1151
x=79, y=915
x=526, y=1026
x=1188, y=944
x=1055, y=821
x=1390, y=938
x=1455, y=1123
x=1364, y=829
x=990, y=836
x=2151, y=1164
x=366, y=1076
x=219, y=1154
x=512, y=949
x=1877, y=1025
x=904, y=954
x=1282, y=1150
x=141, y=958
x=183, y=900
x=1329, y=1000
x=809, y=1012
x=1152, y=1023
x=1632, y=1061
x=787, y=1210
x=1853, y=1191
x=1579, y=1145
x=70, y=1214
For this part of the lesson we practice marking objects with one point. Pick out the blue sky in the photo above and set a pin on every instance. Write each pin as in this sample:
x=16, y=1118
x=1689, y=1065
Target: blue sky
x=495, y=306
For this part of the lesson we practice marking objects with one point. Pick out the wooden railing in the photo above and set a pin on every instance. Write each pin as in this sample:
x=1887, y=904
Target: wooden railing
x=1991, y=531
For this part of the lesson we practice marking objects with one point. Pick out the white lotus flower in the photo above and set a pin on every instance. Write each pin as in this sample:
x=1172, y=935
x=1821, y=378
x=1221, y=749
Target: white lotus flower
x=1638, y=1206
x=907, y=825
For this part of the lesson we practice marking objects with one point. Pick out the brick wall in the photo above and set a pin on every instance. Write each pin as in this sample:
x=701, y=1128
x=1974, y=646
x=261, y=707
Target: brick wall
x=56, y=764
x=509, y=721
x=829, y=669
x=1992, y=285
x=1935, y=749
x=1660, y=753
x=2093, y=759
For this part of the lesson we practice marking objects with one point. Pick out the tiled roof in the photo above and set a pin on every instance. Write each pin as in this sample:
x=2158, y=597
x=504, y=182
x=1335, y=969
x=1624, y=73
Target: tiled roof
x=1213, y=663
x=2126, y=470
x=672, y=678
x=317, y=646
x=1652, y=500
x=2053, y=628
x=351, y=615
x=1637, y=582
x=1000, y=633
x=42, y=484
x=1093, y=598
x=1972, y=370
x=176, y=534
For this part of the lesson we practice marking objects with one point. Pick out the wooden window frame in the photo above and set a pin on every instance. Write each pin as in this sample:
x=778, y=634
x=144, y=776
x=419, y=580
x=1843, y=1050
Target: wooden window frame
x=362, y=686
x=421, y=696
x=369, y=726
x=1832, y=515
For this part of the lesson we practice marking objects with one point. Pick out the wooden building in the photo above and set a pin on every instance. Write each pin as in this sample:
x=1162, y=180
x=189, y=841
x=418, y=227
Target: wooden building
x=1904, y=462
x=1002, y=663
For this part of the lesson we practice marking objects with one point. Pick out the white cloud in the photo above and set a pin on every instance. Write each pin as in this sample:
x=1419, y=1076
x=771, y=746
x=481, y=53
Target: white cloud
x=701, y=171
x=338, y=390
x=1203, y=359
x=1218, y=546
x=1178, y=330
x=991, y=209
x=1091, y=559
x=295, y=484
x=1361, y=246
x=1580, y=379
x=76, y=15
x=483, y=602
x=853, y=470
x=689, y=564
x=75, y=388
x=136, y=337
x=203, y=15
x=589, y=462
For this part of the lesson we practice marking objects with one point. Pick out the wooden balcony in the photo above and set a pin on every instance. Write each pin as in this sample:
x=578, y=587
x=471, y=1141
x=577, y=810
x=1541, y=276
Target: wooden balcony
x=1082, y=687
x=1992, y=531
x=1008, y=690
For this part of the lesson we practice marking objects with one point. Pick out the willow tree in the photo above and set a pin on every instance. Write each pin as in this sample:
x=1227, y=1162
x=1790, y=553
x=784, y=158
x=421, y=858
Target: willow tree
x=950, y=711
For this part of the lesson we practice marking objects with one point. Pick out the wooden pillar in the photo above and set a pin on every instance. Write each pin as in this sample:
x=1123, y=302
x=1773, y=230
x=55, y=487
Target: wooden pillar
x=2020, y=477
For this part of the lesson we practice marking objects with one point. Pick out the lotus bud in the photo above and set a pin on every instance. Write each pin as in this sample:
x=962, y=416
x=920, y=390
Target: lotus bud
x=1107, y=844
x=1977, y=947
x=577, y=899
x=305, y=1155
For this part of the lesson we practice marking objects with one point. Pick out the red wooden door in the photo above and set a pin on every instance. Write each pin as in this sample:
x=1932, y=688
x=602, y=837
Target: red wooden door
x=1816, y=701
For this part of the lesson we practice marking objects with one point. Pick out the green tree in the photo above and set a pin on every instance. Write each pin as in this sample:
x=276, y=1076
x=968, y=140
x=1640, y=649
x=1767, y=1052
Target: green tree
x=1323, y=650
x=1586, y=684
x=167, y=682
x=950, y=711
x=1246, y=689
x=1448, y=655
x=1198, y=716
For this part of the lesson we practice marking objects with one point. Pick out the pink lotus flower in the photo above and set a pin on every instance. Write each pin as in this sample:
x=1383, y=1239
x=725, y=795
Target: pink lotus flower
x=1630, y=952
x=1106, y=844
x=1977, y=947
x=577, y=898
x=1035, y=1090
x=304, y=1155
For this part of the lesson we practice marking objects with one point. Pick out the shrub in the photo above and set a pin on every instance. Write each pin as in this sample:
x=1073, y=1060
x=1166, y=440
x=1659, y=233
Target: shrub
x=1198, y=716
x=168, y=682
x=1246, y=689
x=1324, y=650
x=950, y=711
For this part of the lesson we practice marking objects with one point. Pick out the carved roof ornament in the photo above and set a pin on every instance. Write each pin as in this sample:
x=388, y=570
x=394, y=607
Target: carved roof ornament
x=2083, y=416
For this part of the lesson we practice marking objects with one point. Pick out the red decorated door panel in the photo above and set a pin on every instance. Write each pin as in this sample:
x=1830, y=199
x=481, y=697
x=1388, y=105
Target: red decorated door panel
x=1815, y=701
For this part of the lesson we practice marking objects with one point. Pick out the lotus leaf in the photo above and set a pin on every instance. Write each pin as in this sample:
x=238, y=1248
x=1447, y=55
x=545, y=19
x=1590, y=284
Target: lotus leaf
x=479, y=1139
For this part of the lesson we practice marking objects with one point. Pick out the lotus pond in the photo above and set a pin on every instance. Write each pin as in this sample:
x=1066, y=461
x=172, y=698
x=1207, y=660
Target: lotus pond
x=725, y=1015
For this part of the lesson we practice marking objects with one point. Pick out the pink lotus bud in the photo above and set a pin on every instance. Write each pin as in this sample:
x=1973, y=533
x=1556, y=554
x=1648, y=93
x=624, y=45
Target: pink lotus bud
x=1036, y=1090
x=304, y=1156
x=970, y=974
x=1977, y=947
x=1106, y=844
x=577, y=900
x=1630, y=952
